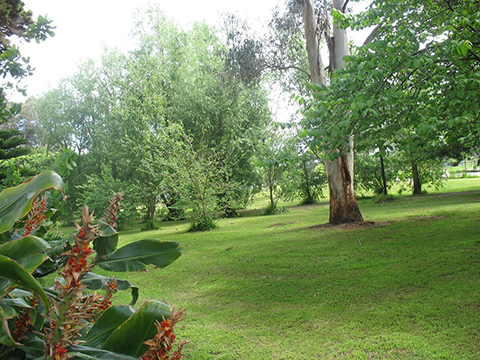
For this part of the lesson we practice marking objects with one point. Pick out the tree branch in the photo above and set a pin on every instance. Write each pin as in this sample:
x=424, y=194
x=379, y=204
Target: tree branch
x=344, y=7
x=474, y=56
x=449, y=5
x=372, y=35
x=280, y=67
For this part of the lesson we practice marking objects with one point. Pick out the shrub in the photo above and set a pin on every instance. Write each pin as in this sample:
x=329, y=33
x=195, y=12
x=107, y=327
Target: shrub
x=205, y=223
x=274, y=210
x=271, y=209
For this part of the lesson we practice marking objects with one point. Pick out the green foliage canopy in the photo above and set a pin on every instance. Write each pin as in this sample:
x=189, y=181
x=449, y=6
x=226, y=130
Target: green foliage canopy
x=420, y=74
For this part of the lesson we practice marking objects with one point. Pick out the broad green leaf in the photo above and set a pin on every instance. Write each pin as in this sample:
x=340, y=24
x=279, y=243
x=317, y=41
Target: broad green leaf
x=33, y=262
x=108, y=322
x=107, y=242
x=136, y=256
x=5, y=336
x=24, y=251
x=8, y=311
x=34, y=349
x=99, y=282
x=57, y=247
x=16, y=202
x=11, y=270
x=10, y=306
x=85, y=352
x=20, y=293
x=17, y=302
x=128, y=339
x=24, y=247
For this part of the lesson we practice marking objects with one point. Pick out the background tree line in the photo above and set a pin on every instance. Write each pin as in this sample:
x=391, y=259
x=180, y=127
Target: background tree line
x=166, y=123
x=183, y=119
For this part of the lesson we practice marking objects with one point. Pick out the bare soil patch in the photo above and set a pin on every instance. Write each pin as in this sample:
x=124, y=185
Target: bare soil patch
x=281, y=224
x=429, y=217
x=352, y=226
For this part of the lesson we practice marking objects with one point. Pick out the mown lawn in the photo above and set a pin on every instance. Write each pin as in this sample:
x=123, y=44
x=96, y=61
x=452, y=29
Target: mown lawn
x=280, y=287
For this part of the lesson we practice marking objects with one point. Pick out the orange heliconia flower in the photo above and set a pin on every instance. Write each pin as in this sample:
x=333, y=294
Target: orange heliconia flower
x=161, y=347
x=36, y=216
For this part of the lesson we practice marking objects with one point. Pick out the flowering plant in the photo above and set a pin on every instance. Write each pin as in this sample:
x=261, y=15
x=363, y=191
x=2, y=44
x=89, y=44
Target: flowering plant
x=72, y=319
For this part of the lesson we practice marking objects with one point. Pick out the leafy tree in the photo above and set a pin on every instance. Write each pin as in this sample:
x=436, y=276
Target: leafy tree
x=220, y=112
x=275, y=158
x=278, y=55
x=306, y=22
x=119, y=110
x=16, y=22
x=96, y=191
x=11, y=143
x=412, y=85
x=195, y=173
x=305, y=178
x=338, y=157
x=374, y=173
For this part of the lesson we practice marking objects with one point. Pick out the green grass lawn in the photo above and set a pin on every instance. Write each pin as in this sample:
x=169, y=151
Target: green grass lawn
x=277, y=287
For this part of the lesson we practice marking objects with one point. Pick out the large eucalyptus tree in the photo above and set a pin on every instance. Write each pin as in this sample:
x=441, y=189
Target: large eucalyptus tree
x=413, y=86
x=339, y=161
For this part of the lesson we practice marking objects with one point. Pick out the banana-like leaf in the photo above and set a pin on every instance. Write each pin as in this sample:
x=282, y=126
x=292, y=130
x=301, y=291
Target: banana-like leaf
x=5, y=336
x=32, y=262
x=34, y=349
x=107, y=242
x=10, y=306
x=27, y=252
x=19, y=293
x=136, y=256
x=24, y=247
x=13, y=271
x=8, y=311
x=84, y=352
x=17, y=302
x=128, y=339
x=99, y=282
x=16, y=202
x=106, y=324
x=55, y=260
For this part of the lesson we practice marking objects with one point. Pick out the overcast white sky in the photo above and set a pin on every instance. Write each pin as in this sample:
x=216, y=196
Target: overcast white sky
x=84, y=28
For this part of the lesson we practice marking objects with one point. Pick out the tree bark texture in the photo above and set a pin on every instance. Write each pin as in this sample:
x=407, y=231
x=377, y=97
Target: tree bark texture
x=309, y=198
x=272, y=201
x=384, y=179
x=343, y=204
x=317, y=70
x=417, y=182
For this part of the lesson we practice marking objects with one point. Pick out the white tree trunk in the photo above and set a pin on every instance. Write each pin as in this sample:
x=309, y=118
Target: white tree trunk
x=317, y=70
x=343, y=204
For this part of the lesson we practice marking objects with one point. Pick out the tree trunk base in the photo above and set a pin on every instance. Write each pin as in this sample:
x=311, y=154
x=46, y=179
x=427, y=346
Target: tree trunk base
x=343, y=204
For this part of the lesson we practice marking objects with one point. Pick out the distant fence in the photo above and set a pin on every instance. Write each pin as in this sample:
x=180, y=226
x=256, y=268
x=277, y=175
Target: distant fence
x=468, y=173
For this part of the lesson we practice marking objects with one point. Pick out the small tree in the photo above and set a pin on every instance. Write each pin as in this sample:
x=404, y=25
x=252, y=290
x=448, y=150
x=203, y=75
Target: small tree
x=16, y=22
x=307, y=177
x=11, y=146
x=196, y=174
x=275, y=158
